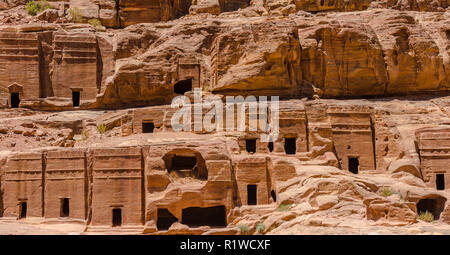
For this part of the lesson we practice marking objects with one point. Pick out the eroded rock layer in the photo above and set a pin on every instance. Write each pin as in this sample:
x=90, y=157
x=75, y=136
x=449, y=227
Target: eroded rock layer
x=352, y=54
x=88, y=131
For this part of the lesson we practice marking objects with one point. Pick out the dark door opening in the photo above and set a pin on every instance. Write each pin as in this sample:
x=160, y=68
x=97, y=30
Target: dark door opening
x=23, y=210
x=252, y=195
x=165, y=219
x=183, y=86
x=273, y=195
x=148, y=127
x=117, y=217
x=64, y=207
x=76, y=98
x=440, y=181
x=210, y=216
x=15, y=100
x=250, y=145
x=270, y=146
x=290, y=146
x=353, y=165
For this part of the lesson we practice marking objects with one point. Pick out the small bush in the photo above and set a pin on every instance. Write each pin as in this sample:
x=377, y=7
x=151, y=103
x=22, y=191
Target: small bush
x=101, y=128
x=75, y=14
x=95, y=23
x=260, y=227
x=84, y=134
x=284, y=207
x=386, y=192
x=33, y=7
x=426, y=216
x=244, y=229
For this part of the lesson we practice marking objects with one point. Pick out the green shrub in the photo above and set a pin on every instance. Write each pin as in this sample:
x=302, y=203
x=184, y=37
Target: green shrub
x=75, y=14
x=386, y=192
x=284, y=207
x=33, y=7
x=244, y=229
x=84, y=134
x=101, y=128
x=95, y=23
x=426, y=216
x=260, y=227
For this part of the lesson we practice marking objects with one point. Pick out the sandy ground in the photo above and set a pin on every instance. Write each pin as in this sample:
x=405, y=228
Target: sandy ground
x=421, y=228
x=8, y=227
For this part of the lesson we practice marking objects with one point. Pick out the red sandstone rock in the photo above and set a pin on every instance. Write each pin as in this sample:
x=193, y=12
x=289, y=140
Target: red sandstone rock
x=340, y=165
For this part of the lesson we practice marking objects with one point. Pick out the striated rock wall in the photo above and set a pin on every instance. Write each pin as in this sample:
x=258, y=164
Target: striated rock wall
x=332, y=5
x=346, y=157
x=351, y=54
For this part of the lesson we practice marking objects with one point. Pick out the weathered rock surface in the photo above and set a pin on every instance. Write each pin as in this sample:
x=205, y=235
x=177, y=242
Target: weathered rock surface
x=351, y=54
x=341, y=164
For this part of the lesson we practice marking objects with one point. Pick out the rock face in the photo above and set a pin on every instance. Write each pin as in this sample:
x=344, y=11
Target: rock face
x=327, y=5
x=351, y=54
x=334, y=57
x=348, y=156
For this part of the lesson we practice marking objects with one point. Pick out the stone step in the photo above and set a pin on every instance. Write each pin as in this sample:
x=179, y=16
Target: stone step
x=114, y=230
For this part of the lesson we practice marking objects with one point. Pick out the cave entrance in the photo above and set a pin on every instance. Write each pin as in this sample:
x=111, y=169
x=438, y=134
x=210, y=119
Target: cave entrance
x=186, y=163
x=353, y=164
x=185, y=166
x=165, y=219
x=250, y=145
x=76, y=98
x=64, y=207
x=182, y=86
x=290, y=146
x=23, y=210
x=252, y=194
x=147, y=127
x=270, y=146
x=432, y=205
x=209, y=216
x=440, y=181
x=15, y=100
x=117, y=217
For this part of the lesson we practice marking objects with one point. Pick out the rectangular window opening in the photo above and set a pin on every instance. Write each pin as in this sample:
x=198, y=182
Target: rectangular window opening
x=15, y=100
x=23, y=210
x=250, y=145
x=440, y=181
x=252, y=194
x=147, y=127
x=117, y=217
x=64, y=207
x=270, y=146
x=290, y=146
x=76, y=98
x=353, y=165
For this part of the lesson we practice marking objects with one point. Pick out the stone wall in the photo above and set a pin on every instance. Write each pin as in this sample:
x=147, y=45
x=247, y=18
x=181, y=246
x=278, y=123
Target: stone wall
x=23, y=183
x=52, y=64
x=353, y=137
x=434, y=147
x=117, y=184
x=19, y=66
x=167, y=188
x=66, y=178
x=75, y=65
x=252, y=171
